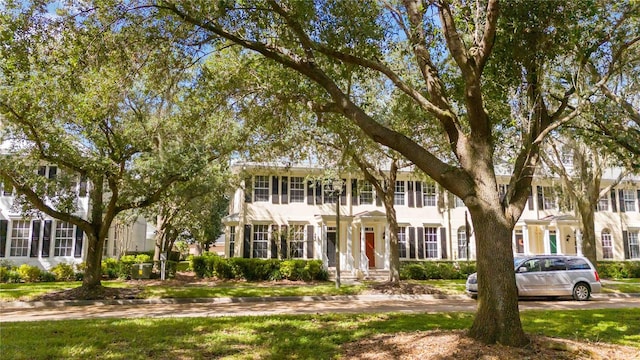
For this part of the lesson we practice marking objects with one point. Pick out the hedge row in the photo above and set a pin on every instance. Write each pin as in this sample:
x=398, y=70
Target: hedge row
x=427, y=270
x=619, y=269
x=30, y=273
x=211, y=265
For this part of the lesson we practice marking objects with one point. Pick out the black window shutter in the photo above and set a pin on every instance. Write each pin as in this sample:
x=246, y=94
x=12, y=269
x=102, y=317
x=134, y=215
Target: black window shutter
x=530, y=199
x=412, y=242
x=35, y=239
x=625, y=243
x=246, y=243
x=248, y=193
x=614, y=204
x=638, y=198
x=79, y=241
x=83, y=186
x=46, y=238
x=285, y=190
x=42, y=170
x=420, y=243
x=318, y=193
x=4, y=224
x=443, y=242
x=275, y=196
x=310, y=236
x=343, y=193
x=310, y=196
x=621, y=200
x=52, y=172
x=419, y=194
x=284, y=251
x=411, y=194
x=354, y=192
x=540, y=198
x=274, y=244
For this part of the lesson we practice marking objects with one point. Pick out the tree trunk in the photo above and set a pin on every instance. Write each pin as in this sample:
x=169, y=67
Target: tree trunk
x=93, y=271
x=394, y=256
x=497, y=318
x=587, y=215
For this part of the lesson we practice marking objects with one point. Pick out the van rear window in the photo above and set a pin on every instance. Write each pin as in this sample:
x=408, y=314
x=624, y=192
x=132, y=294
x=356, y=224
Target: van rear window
x=577, y=264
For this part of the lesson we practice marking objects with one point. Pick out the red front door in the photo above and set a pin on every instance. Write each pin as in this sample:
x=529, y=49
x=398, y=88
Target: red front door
x=371, y=248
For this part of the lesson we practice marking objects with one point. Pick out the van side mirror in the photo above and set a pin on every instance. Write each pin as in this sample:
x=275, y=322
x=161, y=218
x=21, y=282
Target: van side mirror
x=522, y=269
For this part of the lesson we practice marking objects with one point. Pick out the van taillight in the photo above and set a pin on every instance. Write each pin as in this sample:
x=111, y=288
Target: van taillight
x=597, y=276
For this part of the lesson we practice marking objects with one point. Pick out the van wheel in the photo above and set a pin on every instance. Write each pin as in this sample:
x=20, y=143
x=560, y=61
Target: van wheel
x=581, y=292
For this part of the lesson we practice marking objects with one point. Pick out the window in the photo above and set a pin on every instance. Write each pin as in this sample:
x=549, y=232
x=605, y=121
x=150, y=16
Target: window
x=577, y=264
x=366, y=193
x=296, y=242
x=296, y=189
x=458, y=202
x=607, y=245
x=329, y=194
x=398, y=196
x=603, y=203
x=261, y=188
x=629, y=198
x=260, y=241
x=549, y=198
x=553, y=264
x=429, y=194
x=19, y=238
x=64, y=239
x=566, y=157
x=634, y=246
x=402, y=242
x=462, y=243
x=502, y=190
x=431, y=242
x=105, y=250
x=530, y=265
x=232, y=240
x=7, y=188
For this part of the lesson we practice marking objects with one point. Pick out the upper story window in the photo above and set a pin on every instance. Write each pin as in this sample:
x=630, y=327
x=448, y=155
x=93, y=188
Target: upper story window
x=261, y=188
x=549, y=198
x=329, y=194
x=398, y=196
x=366, y=193
x=458, y=202
x=49, y=171
x=429, y=194
x=603, y=203
x=296, y=189
x=566, y=156
x=629, y=199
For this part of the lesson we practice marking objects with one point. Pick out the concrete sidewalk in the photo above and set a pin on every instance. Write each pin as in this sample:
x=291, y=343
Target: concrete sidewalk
x=176, y=308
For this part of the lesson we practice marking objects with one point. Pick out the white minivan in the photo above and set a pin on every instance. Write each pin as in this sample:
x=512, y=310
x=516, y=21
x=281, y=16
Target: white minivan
x=550, y=275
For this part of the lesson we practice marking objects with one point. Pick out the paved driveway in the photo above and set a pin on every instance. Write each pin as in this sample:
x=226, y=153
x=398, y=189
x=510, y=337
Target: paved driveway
x=312, y=305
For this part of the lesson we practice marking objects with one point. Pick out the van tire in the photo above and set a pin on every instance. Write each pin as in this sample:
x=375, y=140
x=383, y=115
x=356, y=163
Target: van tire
x=581, y=292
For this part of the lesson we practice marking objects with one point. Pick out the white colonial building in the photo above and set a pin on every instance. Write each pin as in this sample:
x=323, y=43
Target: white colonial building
x=46, y=242
x=283, y=212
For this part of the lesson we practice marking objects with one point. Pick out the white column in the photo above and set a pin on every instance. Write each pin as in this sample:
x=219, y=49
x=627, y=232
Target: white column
x=364, y=264
x=525, y=239
x=560, y=241
x=349, y=262
x=387, y=246
x=579, y=241
x=547, y=244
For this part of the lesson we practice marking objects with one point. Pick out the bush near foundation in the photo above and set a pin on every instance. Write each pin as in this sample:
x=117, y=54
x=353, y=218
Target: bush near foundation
x=619, y=269
x=211, y=265
x=432, y=270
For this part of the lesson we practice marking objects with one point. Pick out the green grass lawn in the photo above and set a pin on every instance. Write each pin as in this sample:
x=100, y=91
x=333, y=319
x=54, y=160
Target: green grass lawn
x=276, y=337
x=622, y=286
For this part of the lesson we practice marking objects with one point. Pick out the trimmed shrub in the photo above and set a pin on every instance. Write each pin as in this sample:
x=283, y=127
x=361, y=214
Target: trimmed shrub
x=315, y=270
x=29, y=273
x=619, y=269
x=427, y=270
x=142, y=259
x=412, y=271
x=110, y=268
x=4, y=274
x=14, y=276
x=46, y=276
x=63, y=272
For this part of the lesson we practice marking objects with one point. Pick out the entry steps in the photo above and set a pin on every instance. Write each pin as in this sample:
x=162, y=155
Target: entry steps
x=374, y=275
